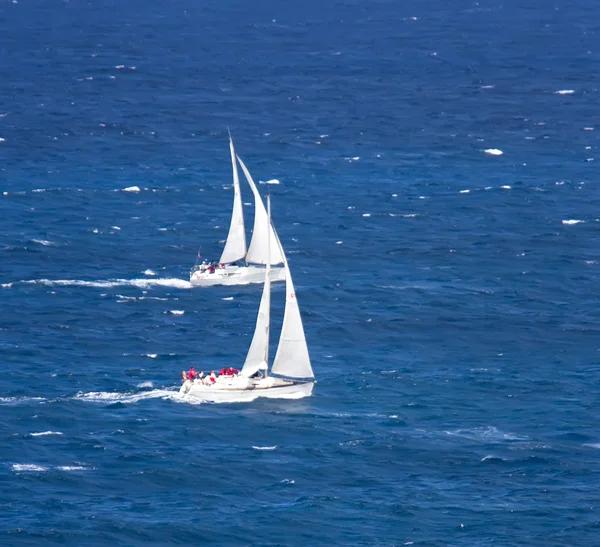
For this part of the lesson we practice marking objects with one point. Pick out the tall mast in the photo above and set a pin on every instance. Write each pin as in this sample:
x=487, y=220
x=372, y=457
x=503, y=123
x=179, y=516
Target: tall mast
x=268, y=282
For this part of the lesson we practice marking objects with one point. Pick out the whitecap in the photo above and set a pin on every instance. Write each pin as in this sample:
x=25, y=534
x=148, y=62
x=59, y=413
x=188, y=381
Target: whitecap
x=119, y=67
x=17, y=400
x=271, y=181
x=465, y=191
x=116, y=397
x=151, y=355
x=565, y=92
x=115, y=227
x=149, y=272
x=132, y=189
x=2, y=139
x=6, y=285
x=366, y=214
x=265, y=447
x=227, y=298
x=147, y=383
x=506, y=187
x=588, y=128
x=176, y=312
x=572, y=221
x=493, y=151
x=288, y=481
x=338, y=242
x=72, y=468
x=41, y=434
x=109, y=283
x=44, y=242
x=20, y=467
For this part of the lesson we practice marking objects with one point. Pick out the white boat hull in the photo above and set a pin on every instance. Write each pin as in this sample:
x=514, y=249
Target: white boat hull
x=243, y=390
x=236, y=275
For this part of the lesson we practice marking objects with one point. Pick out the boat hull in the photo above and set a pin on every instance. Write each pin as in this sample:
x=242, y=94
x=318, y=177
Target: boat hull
x=245, y=391
x=236, y=275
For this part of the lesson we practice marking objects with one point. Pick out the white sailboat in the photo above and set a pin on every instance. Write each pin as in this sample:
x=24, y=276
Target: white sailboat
x=239, y=265
x=291, y=375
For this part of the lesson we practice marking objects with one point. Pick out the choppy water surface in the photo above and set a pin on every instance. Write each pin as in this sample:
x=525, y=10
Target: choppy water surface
x=438, y=200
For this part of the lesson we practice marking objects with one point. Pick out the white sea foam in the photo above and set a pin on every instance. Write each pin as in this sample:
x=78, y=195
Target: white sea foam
x=339, y=242
x=109, y=283
x=20, y=400
x=506, y=187
x=565, y=92
x=147, y=383
x=41, y=434
x=227, y=298
x=23, y=467
x=486, y=434
x=6, y=285
x=149, y=272
x=44, y=242
x=132, y=189
x=176, y=312
x=151, y=355
x=115, y=227
x=493, y=151
x=72, y=468
x=572, y=221
x=271, y=181
x=366, y=214
x=116, y=397
x=588, y=128
x=2, y=139
x=265, y=447
x=465, y=191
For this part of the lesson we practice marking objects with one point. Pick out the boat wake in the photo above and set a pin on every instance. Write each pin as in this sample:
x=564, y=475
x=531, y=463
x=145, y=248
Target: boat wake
x=140, y=283
x=128, y=397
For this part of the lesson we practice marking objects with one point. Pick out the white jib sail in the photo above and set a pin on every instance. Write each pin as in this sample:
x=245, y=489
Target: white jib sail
x=235, y=246
x=258, y=248
x=258, y=354
x=292, y=359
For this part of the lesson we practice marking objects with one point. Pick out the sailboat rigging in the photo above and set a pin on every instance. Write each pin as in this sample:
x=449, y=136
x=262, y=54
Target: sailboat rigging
x=290, y=376
x=229, y=271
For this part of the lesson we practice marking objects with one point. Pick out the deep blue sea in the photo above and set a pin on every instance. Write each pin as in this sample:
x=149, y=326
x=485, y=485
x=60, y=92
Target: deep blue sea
x=439, y=202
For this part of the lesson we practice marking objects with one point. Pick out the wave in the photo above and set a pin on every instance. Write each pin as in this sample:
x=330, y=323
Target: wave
x=486, y=434
x=44, y=242
x=45, y=433
x=265, y=447
x=20, y=400
x=129, y=397
x=32, y=467
x=172, y=282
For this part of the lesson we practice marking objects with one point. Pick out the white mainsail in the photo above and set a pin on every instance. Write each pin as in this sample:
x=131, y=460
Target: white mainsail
x=292, y=359
x=260, y=243
x=235, y=246
x=258, y=354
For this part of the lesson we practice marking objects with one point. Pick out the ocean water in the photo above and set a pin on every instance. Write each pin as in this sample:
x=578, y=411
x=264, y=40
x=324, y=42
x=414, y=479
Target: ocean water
x=438, y=199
